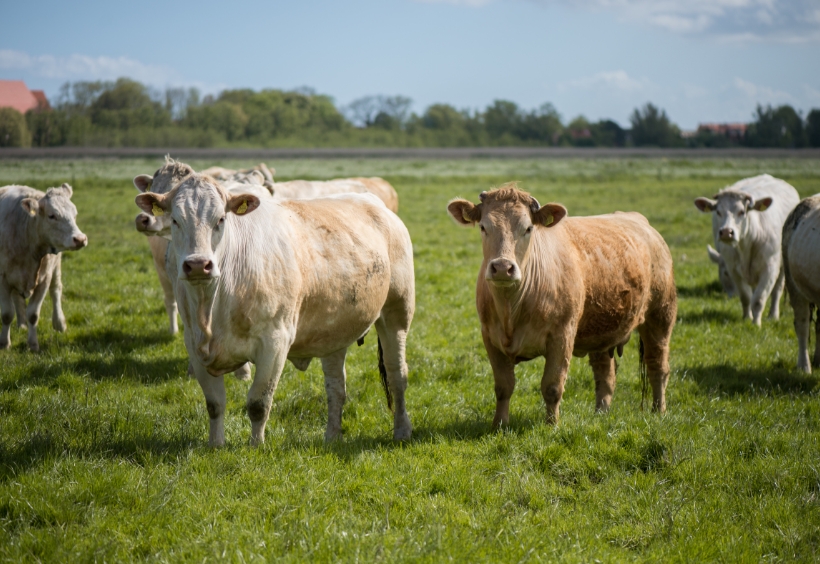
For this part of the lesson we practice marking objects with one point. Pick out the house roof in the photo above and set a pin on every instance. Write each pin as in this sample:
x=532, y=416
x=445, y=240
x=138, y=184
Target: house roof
x=15, y=94
x=42, y=101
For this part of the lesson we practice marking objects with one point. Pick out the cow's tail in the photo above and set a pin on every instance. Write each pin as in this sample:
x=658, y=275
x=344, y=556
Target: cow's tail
x=642, y=371
x=383, y=374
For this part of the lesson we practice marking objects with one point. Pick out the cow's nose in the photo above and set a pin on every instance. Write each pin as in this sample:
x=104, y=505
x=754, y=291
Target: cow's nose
x=727, y=233
x=80, y=241
x=143, y=221
x=503, y=270
x=197, y=268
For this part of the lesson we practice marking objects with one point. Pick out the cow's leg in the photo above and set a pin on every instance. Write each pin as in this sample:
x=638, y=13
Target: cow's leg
x=159, y=247
x=33, y=308
x=214, y=390
x=334, y=368
x=655, y=334
x=816, y=359
x=243, y=373
x=745, y=293
x=603, y=368
x=777, y=292
x=504, y=376
x=802, y=325
x=19, y=309
x=556, y=364
x=260, y=395
x=392, y=327
x=6, y=314
x=761, y=294
x=55, y=290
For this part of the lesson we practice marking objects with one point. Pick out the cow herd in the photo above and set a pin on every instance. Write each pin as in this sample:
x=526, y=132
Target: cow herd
x=263, y=272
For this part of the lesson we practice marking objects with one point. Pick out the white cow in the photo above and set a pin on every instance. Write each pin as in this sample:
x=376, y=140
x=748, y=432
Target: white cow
x=264, y=280
x=35, y=227
x=801, y=263
x=748, y=219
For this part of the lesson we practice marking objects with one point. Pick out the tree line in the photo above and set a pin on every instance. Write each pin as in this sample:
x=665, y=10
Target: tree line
x=130, y=114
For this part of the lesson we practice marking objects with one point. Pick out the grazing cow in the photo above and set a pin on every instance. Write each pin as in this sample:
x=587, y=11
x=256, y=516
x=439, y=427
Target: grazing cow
x=264, y=280
x=748, y=221
x=557, y=286
x=36, y=227
x=801, y=264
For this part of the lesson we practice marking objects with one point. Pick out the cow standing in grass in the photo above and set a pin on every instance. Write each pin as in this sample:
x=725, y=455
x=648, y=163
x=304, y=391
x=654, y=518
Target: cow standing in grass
x=263, y=280
x=557, y=286
x=747, y=220
x=35, y=228
x=801, y=265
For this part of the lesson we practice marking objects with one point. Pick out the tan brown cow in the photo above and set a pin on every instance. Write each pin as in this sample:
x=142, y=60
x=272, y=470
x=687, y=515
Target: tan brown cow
x=557, y=286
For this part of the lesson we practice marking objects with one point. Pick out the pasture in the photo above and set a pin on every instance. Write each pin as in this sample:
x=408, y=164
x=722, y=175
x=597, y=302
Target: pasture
x=103, y=437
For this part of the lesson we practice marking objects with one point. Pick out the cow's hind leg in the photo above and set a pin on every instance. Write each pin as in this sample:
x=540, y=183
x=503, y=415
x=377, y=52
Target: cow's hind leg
x=816, y=359
x=603, y=368
x=802, y=325
x=777, y=293
x=392, y=327
x=214, y=390
x=334, y=368
x=33, y=310
x=55, y=290
x=6, y=315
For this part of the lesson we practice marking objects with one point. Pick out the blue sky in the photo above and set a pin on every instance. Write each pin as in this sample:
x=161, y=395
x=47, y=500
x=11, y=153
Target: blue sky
x=700, y=60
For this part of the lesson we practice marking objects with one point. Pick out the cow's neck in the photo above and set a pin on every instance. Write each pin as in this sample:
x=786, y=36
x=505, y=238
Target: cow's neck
x=199, y=306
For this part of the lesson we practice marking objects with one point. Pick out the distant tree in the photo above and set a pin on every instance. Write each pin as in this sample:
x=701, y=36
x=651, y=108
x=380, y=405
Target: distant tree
x=178, y=100
x=813, y=128
x=579, y=132
x=365, y=110
x=13, y=129
x=542, y=125
x=502, y=118
x=127, y=104
x=651, y=126
x=776, y=127
x=443, y=117
x=607, y=133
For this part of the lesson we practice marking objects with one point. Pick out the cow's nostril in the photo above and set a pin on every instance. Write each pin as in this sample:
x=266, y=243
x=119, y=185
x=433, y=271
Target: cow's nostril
x=208, y=266
x=186, y=268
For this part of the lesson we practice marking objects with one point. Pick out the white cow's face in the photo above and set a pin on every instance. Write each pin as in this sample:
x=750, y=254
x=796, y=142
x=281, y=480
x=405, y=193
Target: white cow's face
x=56, y=219
x=507, y=218
x=730, y=213
x=199, y=210
x=164, y=180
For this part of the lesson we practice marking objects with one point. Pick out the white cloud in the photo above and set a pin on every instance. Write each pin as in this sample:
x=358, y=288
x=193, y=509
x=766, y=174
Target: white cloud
x=617, y=80
x=757, y=94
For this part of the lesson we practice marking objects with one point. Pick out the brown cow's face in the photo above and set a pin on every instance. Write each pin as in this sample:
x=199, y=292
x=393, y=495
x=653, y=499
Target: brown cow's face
x=199, y=211
x=506, y=225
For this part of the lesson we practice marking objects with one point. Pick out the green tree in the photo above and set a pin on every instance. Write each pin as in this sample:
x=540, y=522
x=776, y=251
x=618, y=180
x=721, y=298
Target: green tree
x=13, y=129
x=607, y=133
x=776, y=127
x=125, y=105
x=813, y=128
x=542, y=125
x=651, y=126
x=502, y=119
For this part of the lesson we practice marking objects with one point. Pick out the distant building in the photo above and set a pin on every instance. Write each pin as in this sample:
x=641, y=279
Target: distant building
x=15, y=94
x=733, y=131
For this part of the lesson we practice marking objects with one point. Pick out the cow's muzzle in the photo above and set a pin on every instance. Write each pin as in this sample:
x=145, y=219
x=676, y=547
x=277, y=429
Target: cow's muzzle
x=146, y=223
x=80, y=240
x=199, y=269
x=503, y=271
x=728, y=235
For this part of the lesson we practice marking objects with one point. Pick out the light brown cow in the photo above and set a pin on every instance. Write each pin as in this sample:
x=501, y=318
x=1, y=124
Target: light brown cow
x=801, y=263
x=264, y=280
x=557, y=286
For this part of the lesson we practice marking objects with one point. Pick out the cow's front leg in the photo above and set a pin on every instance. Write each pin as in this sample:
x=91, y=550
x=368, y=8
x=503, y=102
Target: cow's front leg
x=556, y=364
x=55, y=290
x=19, y=309
x=260, y=395
x=760, y=295
x=33, y=310
x=214, y=389
x=6, y=314
x=504, y=376
x=334, y=368
x=777, y=292
x=159, y=247
x=603, y=368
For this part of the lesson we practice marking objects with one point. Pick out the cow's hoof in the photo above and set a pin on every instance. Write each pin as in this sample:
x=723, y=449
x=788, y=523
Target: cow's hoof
x=333, y=435
x=5, y=344
x=59, y=325
x=34, y=347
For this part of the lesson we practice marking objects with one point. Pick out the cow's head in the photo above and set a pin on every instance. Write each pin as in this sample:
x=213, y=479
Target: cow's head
x=164, y=179
x=507, y=217
x=56, y=219
x=201, y=213
x=731, y=209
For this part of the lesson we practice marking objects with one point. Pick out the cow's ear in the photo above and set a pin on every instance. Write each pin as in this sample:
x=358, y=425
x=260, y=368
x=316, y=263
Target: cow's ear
x=705, y=204
x=143, y=182
x=66, y=187
x=549, y=215
x=242, y=204
x=152, y=204
x=714, y=256
x=762, y=204
x=464, y=212
x=31, y=205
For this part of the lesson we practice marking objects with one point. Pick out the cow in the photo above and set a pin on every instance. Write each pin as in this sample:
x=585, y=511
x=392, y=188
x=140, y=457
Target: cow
x=558, y=286
x=36, y=228
x=309, y=189
x=801, y=265
x=264, y=280
x=748, y=219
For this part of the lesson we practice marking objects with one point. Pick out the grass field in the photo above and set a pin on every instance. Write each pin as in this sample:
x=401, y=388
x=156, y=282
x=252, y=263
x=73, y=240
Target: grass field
x=103, y=452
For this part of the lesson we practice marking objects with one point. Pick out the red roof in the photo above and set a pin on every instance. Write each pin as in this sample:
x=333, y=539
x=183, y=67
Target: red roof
x=15, y=94
x=42, y=101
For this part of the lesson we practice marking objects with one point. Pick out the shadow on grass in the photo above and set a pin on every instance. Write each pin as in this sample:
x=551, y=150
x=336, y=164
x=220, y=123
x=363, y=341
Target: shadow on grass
x=119, y=342
x=711, y=289
x=708, y=315
x=777, y=379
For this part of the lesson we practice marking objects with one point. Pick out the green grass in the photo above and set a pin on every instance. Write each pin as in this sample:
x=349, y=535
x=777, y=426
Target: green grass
x=103, y=452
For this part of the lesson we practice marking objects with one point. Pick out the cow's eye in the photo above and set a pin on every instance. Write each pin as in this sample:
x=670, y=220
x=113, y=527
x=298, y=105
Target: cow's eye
x=220, y=222
x=529, y=230
x=482, y=229
x=742, y=213
x=719, y=214
x=174, y=221
x=52, y=216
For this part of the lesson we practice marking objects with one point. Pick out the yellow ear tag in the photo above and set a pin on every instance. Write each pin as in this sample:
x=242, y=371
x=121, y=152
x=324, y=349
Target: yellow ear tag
x=32, y=212
x=242, y=208
x=764, y=208
x=550, y=219
x=157, y=210
x=465, y=215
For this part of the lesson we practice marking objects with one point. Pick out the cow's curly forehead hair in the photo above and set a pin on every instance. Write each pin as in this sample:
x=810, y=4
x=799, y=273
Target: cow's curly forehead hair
x=200, y=184
x=728, y=193
x=508, y=192
x=174, y=169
